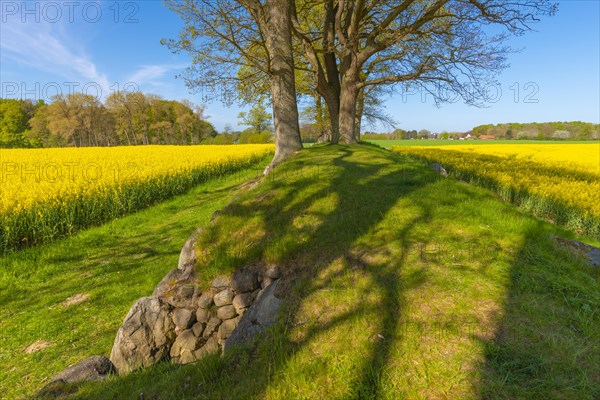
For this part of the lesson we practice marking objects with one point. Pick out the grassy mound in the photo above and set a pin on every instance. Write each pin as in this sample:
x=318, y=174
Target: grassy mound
x=405, y=285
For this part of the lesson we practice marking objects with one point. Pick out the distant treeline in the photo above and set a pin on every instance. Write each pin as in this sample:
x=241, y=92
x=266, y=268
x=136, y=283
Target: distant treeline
x=575, y=130
x=400, y=134
x=131, y=118
x=135, y=118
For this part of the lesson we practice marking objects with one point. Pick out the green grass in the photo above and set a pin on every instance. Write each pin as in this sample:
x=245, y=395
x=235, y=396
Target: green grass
x=447, y=142
x=571, y=204
x=114, y=264
x=403, y=285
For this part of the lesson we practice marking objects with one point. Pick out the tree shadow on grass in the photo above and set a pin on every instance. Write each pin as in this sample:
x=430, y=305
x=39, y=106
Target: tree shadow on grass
x=309, y=218
x=305, y=219
x=546, y=344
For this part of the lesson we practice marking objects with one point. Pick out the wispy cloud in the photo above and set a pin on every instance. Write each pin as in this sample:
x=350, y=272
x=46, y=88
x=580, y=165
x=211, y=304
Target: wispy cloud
x=153, y=74
x=47, y=47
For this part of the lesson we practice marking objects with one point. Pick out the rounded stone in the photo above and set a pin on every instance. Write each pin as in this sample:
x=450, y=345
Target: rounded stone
x=203, y=315
x=209, y=347
x=223, y=298
x=195, y=297
x=227, y=328
x=91, y=369
x=198, y=329
x=187, y=357
x=186, y=341
x=145, y=336
x=184, y=318
x=226, y=312
x=242, y=300
x=206, y=299
x=221, y=282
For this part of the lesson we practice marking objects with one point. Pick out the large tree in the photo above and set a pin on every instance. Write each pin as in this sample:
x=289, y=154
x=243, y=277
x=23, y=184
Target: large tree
x=228, y=41
x=437, y=46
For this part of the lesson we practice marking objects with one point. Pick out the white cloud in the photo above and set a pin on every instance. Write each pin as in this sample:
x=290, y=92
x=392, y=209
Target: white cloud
x=153, y=74
x=44, y=46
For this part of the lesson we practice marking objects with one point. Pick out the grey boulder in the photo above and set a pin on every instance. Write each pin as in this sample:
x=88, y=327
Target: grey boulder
x=95, y=368
x=145, y=337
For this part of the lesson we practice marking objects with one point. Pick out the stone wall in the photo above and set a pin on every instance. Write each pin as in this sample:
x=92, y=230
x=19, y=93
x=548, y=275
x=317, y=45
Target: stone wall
x=182, y=323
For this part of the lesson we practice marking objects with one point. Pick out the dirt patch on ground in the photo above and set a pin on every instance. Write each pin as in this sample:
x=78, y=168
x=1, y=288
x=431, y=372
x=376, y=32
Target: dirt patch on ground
x=36, y=346
x=76, y=299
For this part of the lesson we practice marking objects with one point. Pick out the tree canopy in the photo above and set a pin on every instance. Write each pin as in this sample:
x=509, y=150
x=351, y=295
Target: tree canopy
x=352, y=53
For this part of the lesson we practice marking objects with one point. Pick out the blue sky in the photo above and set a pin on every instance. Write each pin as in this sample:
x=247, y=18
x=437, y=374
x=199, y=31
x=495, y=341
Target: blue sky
x=100, y=46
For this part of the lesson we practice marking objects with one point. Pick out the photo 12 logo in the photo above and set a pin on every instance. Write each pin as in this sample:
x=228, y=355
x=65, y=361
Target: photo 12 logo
x=525, y=93
x=67, y=171
x=47, y=91
x=92, y=12
x=210, y=92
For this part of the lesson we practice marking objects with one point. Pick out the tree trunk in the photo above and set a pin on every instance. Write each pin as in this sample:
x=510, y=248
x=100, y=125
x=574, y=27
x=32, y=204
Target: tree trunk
x=333, y=109
x=127, y=136
x=360, y=105
x=332, y=84
x=283, y=87
x=348, y=97
x=323, y=135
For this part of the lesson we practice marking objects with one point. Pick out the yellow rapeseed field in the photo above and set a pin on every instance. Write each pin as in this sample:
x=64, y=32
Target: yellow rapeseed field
x=48, y=192
x=560, y=182
x=578, y=157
